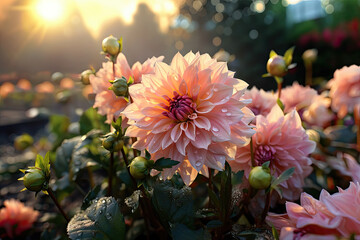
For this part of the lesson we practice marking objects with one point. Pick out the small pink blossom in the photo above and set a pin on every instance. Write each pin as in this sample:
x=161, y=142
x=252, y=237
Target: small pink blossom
x=318, y=113
x=261, y=101
x=283, y=141
x=106, y=101
x=345, y=90
x=190, y=111
x=297, y=97
x=15, y=217
x=332, y=216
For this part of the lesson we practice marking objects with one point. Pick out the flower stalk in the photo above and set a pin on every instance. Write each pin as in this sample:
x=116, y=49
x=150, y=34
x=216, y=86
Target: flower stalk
x=52, y=196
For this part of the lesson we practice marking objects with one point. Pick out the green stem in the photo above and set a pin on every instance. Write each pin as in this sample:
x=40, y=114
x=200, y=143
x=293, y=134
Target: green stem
x=52, y=195
x=266, y=208
x=91, y=177
x=279, y=85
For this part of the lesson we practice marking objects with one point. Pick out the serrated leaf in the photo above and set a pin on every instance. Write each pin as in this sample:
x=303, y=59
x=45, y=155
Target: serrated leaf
x=288, y=56
x=272, y=54
x=182, y=232
x=102, y=220
x=173, y=205
x=162, y=163
x=283, y=177
x=90, y=120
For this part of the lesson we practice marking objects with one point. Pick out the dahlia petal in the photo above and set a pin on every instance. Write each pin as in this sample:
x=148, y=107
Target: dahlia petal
x=166, y=141
x=162, y=125
x=176, y=133
x=181, y=145
x=189, y=130
x=152, y=111
x=196, y=157
x=204, y=107
x=202, y=140
x=179, y=63
x=202, y=122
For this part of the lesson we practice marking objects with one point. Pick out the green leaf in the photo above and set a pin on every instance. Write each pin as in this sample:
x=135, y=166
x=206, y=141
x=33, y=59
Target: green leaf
x=64, y=155
x=59, y=124
x=225, y=192
x=90, y=120
x=214, y=199
x=283, y=177
x=162, y=163
x=102, y=220
x=288, y=56
x=214, y=224
x=266, y=165
x=117, y=125
x=272, y=54
x=93, y=194
x=182, y=232
x=173, y=205
x=275, y=232
x=237, y=178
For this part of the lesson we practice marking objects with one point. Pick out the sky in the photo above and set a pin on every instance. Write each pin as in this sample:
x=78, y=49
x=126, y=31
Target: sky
x=66, y=35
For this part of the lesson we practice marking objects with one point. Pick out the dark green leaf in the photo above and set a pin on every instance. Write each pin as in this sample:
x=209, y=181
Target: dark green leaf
x=214, y=224
x=225, y=192
x=64, y=155
x=59, y=124
x=214, y=199
x=237, y=177
x=283, y=177
x=93, y=194
x=182, y=232
x=102, y=220
x=266, y=164
x=275, y=232
x=162, y=163
x=92, y=120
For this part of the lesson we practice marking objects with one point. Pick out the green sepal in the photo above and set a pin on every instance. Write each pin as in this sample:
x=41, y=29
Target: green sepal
x=266, y=165
x=280, y=103
x=288, y=56
x=130, y=80
x=120, y=41
x=266, y=75
x=278, y=80
x=272, y=54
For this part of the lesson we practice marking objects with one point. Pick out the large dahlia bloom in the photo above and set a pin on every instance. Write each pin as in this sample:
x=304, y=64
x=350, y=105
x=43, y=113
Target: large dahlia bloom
x=297, y=97
x=345, y=90
x=262, y=102
x=105, y=100
x=331, y=216
x=15, y=217
x=282, y=141
x=191, y=112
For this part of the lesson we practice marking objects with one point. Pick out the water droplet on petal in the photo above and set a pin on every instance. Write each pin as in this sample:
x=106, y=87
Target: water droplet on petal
x=228, y=114
x=215, y=129
x=103, y=201
x=224, y=110
x=100, y=211
x=198, y=164
x=215, y=89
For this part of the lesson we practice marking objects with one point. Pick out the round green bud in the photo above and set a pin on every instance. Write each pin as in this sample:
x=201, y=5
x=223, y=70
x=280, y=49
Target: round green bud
x=118, y=145
x=57, y=76
x=111, y=45
x=139, y=167
x=109, y=141
x=276, y=66
x=63, y=96
x=120, y=87
x=23, y=141
x=259, y=177
x=34, y=180
x=85, y=76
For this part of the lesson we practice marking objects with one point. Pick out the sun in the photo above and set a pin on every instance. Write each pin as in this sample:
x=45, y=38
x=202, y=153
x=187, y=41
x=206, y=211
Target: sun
x=50, y=10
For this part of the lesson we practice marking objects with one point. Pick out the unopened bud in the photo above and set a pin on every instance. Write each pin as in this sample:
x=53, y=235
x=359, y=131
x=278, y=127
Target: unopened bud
x=34, y=180
x=111, y=45
x=120, y=87
x=310, y=55
x=23, y=141
x=85, y=76
x=276, y=66
x=109, y=140
x=139, y=167
x=259, y=177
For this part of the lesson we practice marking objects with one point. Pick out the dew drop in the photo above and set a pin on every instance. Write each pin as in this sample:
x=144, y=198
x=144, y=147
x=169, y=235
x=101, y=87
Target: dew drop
x=103, y=201
x=100, y=211
x=228, y=114
x=224, y=110
x=215, y=129
x=198, y=164
x=108, y=216
x=215, y=89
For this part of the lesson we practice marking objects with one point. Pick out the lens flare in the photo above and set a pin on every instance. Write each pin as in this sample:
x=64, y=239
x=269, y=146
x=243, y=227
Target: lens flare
x=50, y=10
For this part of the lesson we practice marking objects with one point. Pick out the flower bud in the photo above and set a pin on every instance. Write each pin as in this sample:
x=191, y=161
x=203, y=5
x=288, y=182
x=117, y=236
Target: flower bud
x=120, y=87
x=313, y=135
x=111, y=46
x=310, y=55
x=85, y=76
x=118, y=145
x=23, y=141
x=276, y=66
x=259, y=177
x=139, y=167
x=34, y=180
x=109, y=140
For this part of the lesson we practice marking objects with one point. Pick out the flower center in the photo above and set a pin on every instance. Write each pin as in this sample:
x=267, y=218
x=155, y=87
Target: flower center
x=181, y=108
x=263, y=154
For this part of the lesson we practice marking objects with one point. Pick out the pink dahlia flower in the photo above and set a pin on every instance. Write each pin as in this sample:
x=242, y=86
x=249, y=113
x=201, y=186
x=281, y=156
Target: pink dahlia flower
x=282, y=141
x=297, y=97
x=318, y=113
x=346, y=165
x=191, y=112
x=262, y=102
x=15, y=217
x=345, y=90
x=105, y=100
x=331, y=216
